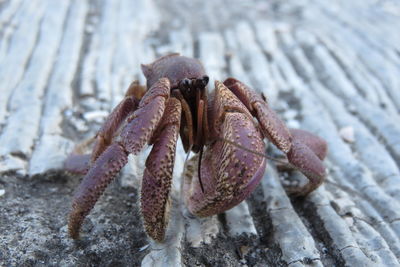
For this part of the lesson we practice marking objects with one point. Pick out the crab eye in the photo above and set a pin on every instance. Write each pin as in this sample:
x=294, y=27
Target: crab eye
x=202, y=82
x=186, y=83
x=205, y=80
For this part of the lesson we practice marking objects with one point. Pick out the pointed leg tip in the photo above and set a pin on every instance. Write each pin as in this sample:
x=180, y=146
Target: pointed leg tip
x=155, y=230
x=73, y=234
x=303, y=191
x=158, y=237
x=317, y=144
x=306, y=161
x=74, y=225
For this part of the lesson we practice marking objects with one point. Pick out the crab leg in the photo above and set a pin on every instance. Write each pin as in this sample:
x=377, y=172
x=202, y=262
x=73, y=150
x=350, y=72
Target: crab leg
x=229, y=174
x=94, y=183
x=303, y=149
x=157, y=177
x=135, y=134
x=114, y=121
x=315, y=143
x=79, y=162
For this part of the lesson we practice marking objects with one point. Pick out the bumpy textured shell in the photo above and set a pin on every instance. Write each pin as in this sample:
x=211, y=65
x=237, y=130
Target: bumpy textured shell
x=173, y=67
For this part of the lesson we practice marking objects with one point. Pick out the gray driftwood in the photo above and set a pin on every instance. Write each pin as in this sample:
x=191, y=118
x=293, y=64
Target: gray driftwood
x=330, y=68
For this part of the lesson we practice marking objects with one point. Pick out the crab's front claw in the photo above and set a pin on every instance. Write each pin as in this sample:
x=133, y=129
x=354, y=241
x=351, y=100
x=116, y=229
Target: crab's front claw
x=228, y=173
x=303, y=149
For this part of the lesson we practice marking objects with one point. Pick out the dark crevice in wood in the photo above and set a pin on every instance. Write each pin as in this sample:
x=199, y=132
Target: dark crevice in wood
x=54, y=63
x=261, y=218
x=94, y=6
x=232, y=251
x=329, y=253
x=224, y=224
x=9, y=23
x=28, y=62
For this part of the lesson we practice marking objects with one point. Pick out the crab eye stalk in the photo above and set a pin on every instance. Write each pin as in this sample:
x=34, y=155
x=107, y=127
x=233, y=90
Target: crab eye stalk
x=201, y=83
x=185, y=84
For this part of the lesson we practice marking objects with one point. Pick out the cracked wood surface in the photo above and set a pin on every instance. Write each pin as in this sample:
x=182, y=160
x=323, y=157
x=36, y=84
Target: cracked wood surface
x=332, y=69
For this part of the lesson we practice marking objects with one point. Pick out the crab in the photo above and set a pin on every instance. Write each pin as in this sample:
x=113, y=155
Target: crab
x=226, y=129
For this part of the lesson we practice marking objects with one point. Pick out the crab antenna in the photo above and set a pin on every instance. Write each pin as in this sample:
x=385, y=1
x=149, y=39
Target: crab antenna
x=198, y=166
x=187, y=157
x=198, y=169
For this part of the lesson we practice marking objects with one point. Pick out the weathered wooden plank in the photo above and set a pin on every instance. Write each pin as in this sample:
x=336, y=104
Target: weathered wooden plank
x=353, y=172
x=290, y=233
x=370, y=151
x=375, y=62
x=107, y=36
x=59, y=95
x=8, y=25
x=8, y=12
x=240, y=221
x=254, y=61
x=25, y=105
x=337, y=228
x=20, y=46
x=65, y=65
x=367, y=84
x=211, y=53
x=340, y=116
x=236, y=68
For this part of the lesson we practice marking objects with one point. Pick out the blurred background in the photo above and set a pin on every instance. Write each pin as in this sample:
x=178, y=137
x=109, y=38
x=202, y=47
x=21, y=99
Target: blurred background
x=332, y=68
